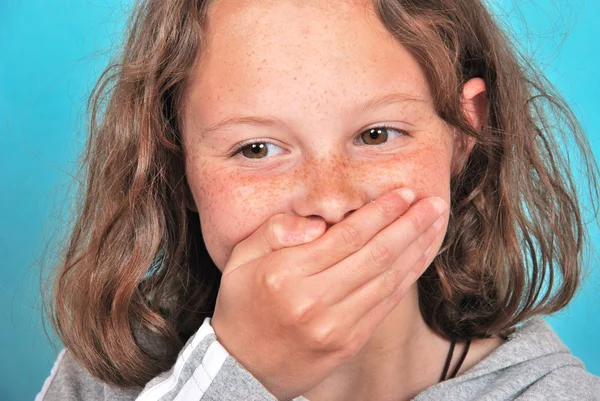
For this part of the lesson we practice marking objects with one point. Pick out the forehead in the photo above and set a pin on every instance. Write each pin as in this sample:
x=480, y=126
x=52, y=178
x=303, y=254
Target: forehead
x=249, y=9
x=316, y=53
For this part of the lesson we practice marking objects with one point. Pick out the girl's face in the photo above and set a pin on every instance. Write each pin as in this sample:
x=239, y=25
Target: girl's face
x=309, y=108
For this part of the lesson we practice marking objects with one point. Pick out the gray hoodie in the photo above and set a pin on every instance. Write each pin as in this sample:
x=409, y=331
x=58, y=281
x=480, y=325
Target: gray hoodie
x=533, y=364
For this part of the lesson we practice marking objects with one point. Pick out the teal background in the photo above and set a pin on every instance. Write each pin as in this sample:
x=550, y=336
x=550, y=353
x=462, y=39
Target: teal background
x=51, y=52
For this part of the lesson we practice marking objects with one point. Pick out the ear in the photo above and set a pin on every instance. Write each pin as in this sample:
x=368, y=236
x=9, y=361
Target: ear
x=474, y=102
x=474, y=108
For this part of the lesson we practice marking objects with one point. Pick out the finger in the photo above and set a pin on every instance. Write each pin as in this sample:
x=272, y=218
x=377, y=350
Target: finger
x=278, y=232
x=361, y=301
x=361, y=331
x=380, y=253
x=352, y=233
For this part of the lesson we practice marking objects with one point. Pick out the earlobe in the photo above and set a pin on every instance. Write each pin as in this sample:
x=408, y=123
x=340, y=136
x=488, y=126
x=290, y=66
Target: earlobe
x=190, y=204
x=463, y=145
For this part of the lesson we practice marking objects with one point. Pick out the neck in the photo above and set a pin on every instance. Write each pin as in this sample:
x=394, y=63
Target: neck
x=402, y=358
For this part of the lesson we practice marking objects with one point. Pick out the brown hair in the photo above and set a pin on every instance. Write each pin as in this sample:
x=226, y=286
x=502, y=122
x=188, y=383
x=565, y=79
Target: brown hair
x=136, y=280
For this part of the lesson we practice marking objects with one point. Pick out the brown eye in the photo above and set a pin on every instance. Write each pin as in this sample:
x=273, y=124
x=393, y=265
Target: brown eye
x=374, y=136
x=379, y=135
x=255, y=150
x=258, y=150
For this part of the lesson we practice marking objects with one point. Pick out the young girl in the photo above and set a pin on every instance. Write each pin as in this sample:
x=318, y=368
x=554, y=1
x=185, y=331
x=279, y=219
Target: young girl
x=324, y=200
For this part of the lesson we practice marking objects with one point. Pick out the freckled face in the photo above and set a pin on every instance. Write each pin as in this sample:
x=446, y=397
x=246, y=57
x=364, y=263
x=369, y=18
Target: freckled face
x=309, y=109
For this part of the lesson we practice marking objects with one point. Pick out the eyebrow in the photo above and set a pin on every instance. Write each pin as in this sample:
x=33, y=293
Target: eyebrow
x=369, y=104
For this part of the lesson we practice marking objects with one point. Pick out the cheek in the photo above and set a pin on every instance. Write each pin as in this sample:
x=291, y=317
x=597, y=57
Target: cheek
x=426, y=171
x=231, y=208
x=428, y=174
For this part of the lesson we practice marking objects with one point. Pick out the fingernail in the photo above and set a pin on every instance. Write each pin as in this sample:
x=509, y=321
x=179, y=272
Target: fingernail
x=313, y=228
x=439, y=205
x=407, y=194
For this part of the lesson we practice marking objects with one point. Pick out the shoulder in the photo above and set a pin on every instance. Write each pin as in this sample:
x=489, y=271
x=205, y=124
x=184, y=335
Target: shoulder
x=564, y=383
x=69, y=382
x=205, y=370
x=533, y=364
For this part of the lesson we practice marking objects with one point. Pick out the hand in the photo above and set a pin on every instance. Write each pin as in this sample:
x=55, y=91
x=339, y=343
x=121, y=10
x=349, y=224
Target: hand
x=295, y=302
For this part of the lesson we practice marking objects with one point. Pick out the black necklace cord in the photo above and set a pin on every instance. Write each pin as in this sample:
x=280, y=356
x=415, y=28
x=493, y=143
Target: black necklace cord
x=462, y=359
x=449, y=360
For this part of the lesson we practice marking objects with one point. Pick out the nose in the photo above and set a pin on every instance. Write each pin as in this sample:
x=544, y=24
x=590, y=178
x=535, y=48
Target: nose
x=329, y=190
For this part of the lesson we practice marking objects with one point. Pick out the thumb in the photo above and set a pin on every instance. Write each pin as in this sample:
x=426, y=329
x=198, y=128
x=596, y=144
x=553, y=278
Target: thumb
x=280, y=231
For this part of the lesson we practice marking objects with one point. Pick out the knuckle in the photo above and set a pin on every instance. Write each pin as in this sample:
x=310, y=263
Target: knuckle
x=273, y=231
x=423, y=240
x=380, y=255
x=350, y=235
x=397, y=296
x=391, y=280
x=274, y=281
x=384, y=208
x=352, y=344
x=416, y=222
x=326, y=337
x=348, y=351
x=303, y=312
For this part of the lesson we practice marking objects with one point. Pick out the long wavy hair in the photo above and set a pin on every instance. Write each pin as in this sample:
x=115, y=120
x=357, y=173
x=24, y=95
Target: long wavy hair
x=135, y=280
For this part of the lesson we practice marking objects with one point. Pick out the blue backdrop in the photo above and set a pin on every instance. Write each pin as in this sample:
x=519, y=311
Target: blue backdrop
x=51, y=52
